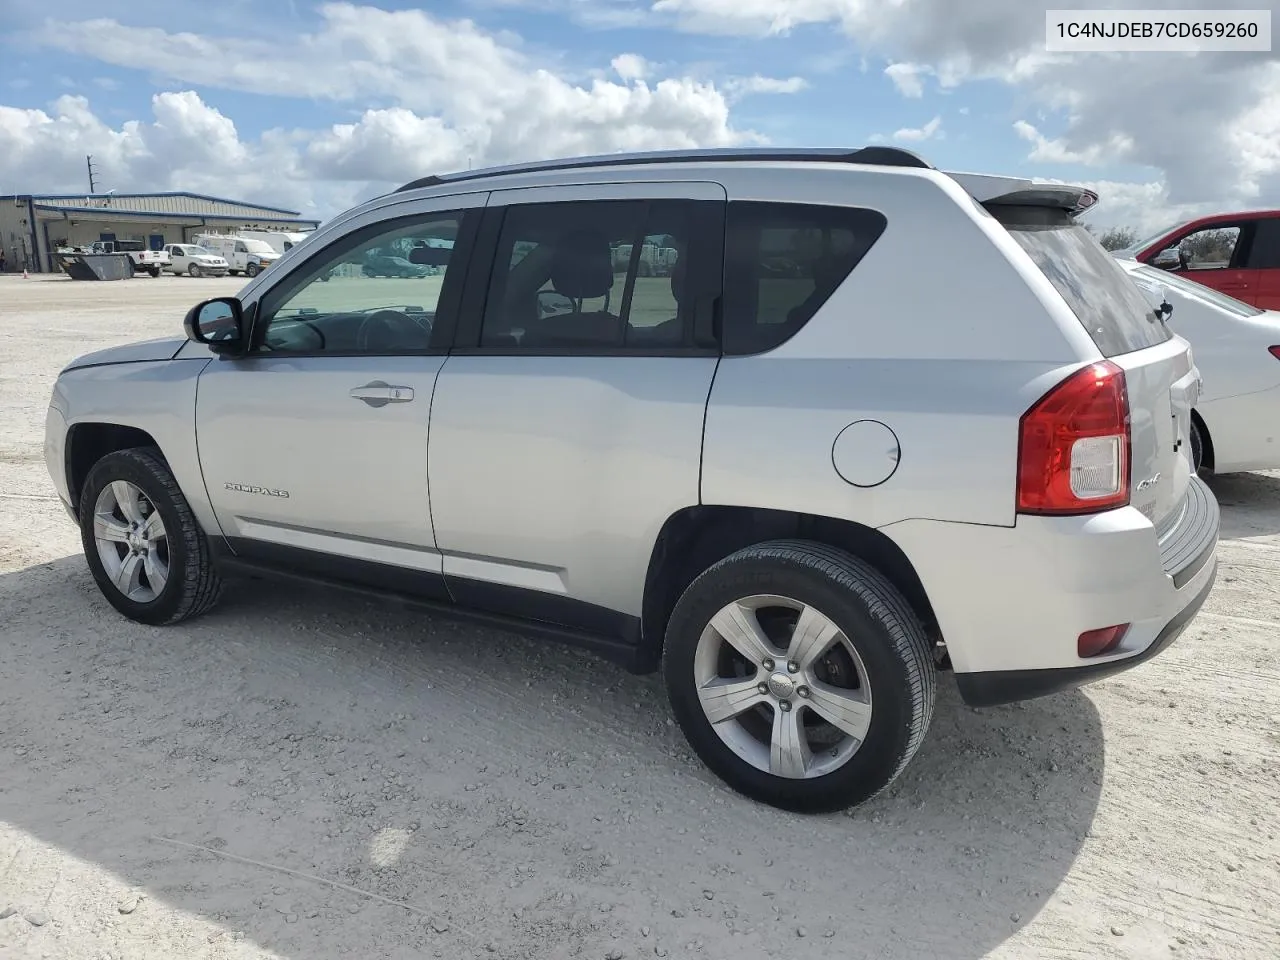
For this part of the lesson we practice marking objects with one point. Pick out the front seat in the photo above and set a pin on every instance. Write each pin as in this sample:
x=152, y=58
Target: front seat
x=581, y=269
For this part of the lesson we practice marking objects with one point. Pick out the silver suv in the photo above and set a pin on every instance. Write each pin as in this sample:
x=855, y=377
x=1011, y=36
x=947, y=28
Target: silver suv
x=802, y=471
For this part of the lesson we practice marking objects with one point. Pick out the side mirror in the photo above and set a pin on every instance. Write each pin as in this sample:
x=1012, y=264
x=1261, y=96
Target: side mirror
x=1167, y=259
x=218, y=323
x=430, y=256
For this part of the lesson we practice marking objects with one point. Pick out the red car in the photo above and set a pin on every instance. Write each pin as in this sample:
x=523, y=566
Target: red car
x=1236, y=253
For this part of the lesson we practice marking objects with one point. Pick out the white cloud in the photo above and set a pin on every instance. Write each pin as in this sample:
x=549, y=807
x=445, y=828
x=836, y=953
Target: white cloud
x=444, y=94
x=1143, y=207
x=630, y=66
x=1115, y=150
x=931, y=130
x=908, y=78
x=1213, y=139
x=745, y=86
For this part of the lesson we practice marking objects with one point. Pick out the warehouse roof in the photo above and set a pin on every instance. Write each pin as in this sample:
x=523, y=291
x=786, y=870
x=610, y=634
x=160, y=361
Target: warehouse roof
x=169, y=204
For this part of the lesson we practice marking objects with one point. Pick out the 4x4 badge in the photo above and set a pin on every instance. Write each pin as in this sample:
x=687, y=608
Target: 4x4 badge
x=265, y=491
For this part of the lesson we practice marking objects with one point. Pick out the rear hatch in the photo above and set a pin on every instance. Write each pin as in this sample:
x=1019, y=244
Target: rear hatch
x=1160, y=374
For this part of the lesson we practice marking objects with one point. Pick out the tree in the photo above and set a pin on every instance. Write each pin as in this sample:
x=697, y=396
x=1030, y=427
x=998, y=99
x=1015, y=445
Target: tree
x=1117, y=238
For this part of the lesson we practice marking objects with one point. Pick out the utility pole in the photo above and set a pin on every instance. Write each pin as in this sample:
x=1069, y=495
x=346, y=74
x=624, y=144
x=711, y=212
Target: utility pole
x=93, y=185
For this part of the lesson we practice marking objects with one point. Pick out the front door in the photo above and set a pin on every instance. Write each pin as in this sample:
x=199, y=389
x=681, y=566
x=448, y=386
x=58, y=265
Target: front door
x=1216, y=257
x=314, y=446
x=567, y=423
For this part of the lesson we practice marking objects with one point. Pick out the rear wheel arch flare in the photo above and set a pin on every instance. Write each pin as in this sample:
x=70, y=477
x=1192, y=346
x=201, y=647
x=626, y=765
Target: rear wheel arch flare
x=694, y=538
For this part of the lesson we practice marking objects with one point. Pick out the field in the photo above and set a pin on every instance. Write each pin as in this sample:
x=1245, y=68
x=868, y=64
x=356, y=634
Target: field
x=305, y=775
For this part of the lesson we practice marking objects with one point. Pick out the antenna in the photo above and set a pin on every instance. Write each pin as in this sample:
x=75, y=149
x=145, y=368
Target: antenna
x=93, y=184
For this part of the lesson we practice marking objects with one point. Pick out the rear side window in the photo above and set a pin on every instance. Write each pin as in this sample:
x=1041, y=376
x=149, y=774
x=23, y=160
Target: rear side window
x=1096, y=288
x=782, y=262
x=1265, y=252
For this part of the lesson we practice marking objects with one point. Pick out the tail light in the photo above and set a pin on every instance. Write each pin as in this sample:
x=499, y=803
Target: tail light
x=1094, y=643
x=1073, y=445
x=1275, y=352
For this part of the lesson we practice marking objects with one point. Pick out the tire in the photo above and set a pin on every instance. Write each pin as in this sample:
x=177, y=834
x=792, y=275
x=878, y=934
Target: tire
x=1197, y=449
x=194, y=271
x=191, y=584
x=877, y=635
x=154, y=271
x=251, y=271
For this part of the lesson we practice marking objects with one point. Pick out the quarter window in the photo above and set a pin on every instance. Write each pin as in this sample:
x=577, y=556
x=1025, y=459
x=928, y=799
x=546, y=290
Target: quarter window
x=376, y=292
x=782, y=262
x=592, y=275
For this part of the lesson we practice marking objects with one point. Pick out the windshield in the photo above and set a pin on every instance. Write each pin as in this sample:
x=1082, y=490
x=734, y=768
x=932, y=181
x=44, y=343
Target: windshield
x=1135, y=248
x=1093, y=283
x=258, y=246
x=1197, y=290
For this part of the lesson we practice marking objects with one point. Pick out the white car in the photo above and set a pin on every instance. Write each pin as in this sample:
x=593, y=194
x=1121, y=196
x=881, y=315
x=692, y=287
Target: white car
x=195, y=261
x=1236, y=423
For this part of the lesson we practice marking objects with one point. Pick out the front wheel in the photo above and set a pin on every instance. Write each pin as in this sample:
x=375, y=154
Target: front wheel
x=195, y=271
x=251, y=271
x=800, y=675
x=142, y=542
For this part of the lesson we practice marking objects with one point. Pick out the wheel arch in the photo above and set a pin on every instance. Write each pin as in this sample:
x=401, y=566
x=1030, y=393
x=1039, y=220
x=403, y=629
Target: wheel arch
x=88, y=442
x=694, y=538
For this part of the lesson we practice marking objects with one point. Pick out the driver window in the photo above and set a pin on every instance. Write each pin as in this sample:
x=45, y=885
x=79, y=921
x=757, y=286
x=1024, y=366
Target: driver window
x=376, y=292
x=1213, y=248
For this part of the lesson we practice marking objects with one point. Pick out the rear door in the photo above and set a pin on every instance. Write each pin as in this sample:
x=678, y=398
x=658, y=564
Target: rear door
x=1162, y=379
x=1217, y=255
x=567, y=422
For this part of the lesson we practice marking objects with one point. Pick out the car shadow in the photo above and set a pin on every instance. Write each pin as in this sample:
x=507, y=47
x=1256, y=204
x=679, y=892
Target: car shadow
x=320, y=775
x=1250, y=504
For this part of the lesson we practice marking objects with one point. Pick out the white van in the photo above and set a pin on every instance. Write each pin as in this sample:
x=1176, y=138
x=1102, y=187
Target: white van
x=244, y=254
x=281, y=241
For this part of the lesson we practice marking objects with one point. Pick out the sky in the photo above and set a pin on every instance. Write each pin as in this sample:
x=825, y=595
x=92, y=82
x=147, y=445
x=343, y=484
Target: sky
x=315, y=106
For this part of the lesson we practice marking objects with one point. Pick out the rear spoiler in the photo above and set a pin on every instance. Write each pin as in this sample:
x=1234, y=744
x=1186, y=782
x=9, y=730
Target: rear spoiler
x=1012, y=191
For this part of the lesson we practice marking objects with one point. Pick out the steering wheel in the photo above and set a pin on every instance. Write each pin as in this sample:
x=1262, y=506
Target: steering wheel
x=400, y=329
x=302, y=323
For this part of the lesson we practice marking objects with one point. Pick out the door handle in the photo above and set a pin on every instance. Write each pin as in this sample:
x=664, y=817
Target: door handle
x=379, y=394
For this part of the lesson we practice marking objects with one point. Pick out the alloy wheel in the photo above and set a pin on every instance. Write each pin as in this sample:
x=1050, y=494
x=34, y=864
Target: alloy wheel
x=131, y=540
x=783, y=686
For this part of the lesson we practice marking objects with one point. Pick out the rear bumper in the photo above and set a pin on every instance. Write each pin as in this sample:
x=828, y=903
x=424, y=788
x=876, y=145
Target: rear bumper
x=1011, y=602
x=1008, y=686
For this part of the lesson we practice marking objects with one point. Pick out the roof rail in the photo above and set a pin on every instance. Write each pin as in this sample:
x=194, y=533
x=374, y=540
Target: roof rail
x=875, y=155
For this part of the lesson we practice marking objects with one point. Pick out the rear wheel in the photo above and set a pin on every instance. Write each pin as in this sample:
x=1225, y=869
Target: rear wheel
x=154, y=271
x=1197, y=447
x=142, y=542
x=195, y=271
x=800, y=675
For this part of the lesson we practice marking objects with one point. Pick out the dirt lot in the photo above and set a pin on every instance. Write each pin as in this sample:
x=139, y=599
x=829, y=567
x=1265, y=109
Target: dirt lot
x=302, y=775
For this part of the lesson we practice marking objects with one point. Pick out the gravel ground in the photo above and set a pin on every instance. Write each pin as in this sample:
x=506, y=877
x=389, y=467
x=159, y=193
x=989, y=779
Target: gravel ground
x=304, y=775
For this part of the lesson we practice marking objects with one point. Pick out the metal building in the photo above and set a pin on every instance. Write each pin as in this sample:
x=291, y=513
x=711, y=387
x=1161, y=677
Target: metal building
x=33, y=226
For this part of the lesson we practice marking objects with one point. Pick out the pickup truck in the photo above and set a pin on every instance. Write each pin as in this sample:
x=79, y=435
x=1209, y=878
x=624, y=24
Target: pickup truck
x=144, y=260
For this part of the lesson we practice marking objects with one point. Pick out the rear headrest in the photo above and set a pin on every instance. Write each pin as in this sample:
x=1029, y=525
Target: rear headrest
x=582, y=265
x=678, y=271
